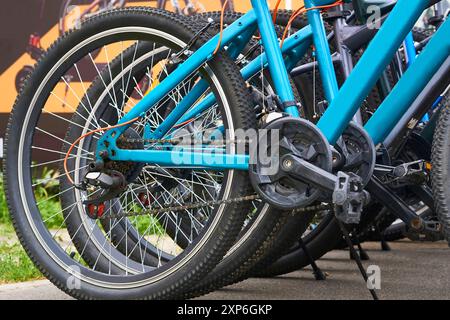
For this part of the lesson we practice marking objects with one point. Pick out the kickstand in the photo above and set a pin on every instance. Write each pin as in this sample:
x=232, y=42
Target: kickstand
x=357, y=257
x=385, y=246
x=362, y=253
x=318, y=274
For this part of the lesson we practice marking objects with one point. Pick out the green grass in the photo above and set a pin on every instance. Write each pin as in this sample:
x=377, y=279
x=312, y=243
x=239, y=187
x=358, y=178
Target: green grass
x=48, y=206
x=4, y=214
x=15, y=266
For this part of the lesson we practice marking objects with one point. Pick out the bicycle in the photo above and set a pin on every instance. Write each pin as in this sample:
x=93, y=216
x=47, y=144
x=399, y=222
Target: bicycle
x=291, y=230
x=98, y=6
x=179, y=272
x=71, y=7
x=325, y=234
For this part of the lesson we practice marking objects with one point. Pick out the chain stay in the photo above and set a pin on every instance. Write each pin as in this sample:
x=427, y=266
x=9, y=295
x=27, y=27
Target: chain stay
x=178, y=142
x=156, y=211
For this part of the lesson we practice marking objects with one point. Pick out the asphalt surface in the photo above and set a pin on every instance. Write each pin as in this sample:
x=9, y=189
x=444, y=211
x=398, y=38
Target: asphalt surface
x=410, y=271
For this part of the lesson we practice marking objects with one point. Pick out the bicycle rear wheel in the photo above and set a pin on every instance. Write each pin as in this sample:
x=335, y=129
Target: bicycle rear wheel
x=192, y=7
x=78, y=254
x=70, y=10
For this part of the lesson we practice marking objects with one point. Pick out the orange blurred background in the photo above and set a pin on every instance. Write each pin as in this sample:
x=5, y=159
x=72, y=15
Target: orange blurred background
x=7, y=77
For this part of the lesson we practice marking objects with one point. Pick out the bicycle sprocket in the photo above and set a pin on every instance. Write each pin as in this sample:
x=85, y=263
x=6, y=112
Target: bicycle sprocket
x=293, y=136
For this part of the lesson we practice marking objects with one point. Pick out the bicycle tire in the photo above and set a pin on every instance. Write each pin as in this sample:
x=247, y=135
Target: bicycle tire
x=64, y=10
x=39, y=244
x=441, y=166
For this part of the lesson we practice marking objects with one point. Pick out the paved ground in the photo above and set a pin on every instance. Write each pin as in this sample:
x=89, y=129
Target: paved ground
x=410, y=271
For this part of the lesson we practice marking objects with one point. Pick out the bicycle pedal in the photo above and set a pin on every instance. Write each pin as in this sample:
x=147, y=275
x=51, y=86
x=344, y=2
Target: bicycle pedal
x=411, y=173
x=430, y=231
x=349, y=198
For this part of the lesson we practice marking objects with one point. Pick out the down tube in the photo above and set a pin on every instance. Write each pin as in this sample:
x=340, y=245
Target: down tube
x=411, y=85
x=366, y=73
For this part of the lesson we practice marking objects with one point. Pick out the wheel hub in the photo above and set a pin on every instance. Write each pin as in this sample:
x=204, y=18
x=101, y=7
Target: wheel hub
x=129, y=140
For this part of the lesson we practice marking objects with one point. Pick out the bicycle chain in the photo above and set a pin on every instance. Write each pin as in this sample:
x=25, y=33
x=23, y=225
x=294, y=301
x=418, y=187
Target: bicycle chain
x=157, y=211
x=179, y=141
x=192, y=206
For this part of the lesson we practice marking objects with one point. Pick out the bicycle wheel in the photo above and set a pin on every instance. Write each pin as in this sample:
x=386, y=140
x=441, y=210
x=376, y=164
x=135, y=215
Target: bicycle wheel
x=70, y=9
x=193, y=7
x=441, y=171
x=260, y=221
x=59, y=236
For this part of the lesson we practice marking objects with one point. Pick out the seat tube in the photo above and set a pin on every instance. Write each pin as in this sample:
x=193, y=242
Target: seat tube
x=275, y=59
x=322, y=47
x=410, y=49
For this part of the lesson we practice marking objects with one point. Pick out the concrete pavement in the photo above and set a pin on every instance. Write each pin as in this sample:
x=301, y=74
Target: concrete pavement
x=410, y=271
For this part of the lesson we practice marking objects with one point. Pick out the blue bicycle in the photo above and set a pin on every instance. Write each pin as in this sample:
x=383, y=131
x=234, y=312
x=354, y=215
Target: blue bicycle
x=154, y=192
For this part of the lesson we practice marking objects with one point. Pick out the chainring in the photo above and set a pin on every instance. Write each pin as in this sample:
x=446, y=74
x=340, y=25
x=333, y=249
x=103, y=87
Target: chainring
x=360, y=154
x=295, y=136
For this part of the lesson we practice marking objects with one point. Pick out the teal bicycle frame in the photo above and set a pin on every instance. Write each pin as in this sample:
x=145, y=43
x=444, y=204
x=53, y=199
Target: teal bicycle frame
x=343, y=102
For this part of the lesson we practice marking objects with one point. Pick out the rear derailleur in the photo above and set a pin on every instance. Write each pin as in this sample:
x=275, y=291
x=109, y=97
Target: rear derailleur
x=105, y=184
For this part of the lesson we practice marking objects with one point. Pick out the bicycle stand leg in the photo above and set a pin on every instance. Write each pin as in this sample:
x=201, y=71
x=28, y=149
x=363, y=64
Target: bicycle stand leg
x=357, y=258
x=318, y=274
x=362, y=253
x=385, y=245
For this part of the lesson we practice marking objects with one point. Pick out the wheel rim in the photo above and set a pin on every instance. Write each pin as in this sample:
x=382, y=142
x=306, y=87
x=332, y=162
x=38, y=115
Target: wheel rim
x=86, y=276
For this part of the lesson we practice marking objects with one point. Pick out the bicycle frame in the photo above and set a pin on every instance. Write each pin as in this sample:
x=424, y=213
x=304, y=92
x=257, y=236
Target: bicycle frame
x=344, y=103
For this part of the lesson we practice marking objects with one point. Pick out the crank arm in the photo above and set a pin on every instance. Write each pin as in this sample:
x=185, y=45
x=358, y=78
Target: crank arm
x=424, y=193
x=308, y=173
x=349, y=197
x=395, y=204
